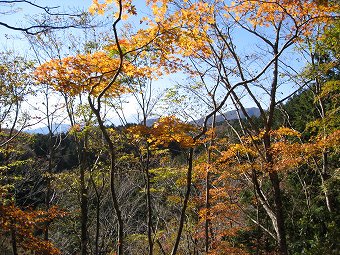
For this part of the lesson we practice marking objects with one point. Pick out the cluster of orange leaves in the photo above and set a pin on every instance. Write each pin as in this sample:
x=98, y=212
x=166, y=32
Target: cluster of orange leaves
x=164, y=131
x=25, y=224
x=224, y=214
x=185, y=30
x=302, y=14
x=169, y=36
x=287, y=151
x=89, y=73
x=100, y=8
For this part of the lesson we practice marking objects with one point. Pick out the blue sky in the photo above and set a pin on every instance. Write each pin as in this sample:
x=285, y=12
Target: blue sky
x=13, y=40
x=20, y=15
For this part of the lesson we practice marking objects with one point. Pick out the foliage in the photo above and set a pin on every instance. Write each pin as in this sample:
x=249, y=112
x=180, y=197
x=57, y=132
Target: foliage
x=243, y=186
x=23, y=226
x=83, y=73
x=15, y=81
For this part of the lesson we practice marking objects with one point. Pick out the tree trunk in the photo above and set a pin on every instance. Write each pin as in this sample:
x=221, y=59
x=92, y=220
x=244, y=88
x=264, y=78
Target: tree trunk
x=48, y=177
x=273, y=175
x=207, y=185
x=148, y=202
x=324, y=176
x=185, y=203
x=278, y=208
x=120, y=240
x=14, y=241
x=97, y=226
x=207, y=213
x=84, y=211
x=280, y=230
x=111, y=147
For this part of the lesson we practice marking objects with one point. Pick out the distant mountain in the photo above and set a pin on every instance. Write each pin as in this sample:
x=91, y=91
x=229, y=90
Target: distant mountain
x=56, y=128
x=229, y=115
x=150, y=122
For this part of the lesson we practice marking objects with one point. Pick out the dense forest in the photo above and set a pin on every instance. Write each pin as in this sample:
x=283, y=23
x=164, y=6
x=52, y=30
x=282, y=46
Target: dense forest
x=237, y=154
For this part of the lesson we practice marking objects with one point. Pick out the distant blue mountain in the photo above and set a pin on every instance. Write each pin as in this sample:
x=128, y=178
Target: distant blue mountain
x=229, y=115
x=56, y=129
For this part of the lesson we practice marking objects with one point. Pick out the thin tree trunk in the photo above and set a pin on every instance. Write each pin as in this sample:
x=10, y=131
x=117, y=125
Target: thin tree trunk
x=160, y=247
x=48, y=195
x=273, y=175
x=321, y=109
x=185, y=202
x=96, y=111
x=83, y=197
x=14, y=241
x=278, y=220
x=324, y=177
x=98, y=195
x=97, y=227
x=84, y=211
x=280, y=233
x=207, y=186
x=50, y=165
x=207, y=208
x=148, y=202
x=120, y=241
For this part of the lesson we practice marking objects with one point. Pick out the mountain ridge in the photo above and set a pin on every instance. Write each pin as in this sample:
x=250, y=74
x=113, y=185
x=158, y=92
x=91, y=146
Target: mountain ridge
x=228, y=115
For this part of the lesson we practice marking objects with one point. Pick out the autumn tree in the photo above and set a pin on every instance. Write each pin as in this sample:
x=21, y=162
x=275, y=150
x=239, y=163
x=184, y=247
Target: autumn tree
x=70, y=108
x=277, y=26
x=98, y=75
x=321, y=75
x=201, y=38
x=22, y=226
x=19, y=224
x=15, y=82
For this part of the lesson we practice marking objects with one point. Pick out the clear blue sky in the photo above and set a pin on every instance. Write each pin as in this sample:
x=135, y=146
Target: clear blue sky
x=22, y=13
